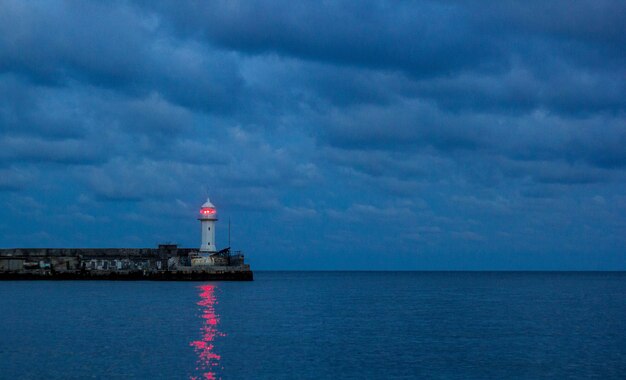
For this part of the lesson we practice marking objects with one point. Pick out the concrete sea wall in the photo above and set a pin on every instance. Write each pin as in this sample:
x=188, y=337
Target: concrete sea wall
x=167, y=262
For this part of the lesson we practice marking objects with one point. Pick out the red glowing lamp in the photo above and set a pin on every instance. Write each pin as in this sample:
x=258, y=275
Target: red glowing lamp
x=207, y=211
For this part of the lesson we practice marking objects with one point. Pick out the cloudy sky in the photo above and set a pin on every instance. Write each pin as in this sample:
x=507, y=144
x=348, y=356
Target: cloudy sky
x=334, y=135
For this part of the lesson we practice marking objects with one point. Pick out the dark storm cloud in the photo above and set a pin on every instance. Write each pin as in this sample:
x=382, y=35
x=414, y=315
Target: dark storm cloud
x=68, y=151
x=429, y=39
x=27, y=109
x=402, y=125
x=13, y=179
x=565, y=90
x=538, y=47
x=456, y=125
x=112, y=46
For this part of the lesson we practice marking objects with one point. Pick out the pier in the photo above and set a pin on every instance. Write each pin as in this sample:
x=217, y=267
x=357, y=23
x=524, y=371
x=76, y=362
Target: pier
x=168, y=262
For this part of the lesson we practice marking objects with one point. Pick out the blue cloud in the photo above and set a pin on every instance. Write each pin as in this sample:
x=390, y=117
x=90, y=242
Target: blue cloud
x=377, y=134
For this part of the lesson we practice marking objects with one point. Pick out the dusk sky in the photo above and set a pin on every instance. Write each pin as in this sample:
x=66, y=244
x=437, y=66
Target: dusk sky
x=334, y=135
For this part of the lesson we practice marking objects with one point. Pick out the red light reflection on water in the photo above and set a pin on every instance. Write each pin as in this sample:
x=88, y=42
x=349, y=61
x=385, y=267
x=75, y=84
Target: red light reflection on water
x=207, y=358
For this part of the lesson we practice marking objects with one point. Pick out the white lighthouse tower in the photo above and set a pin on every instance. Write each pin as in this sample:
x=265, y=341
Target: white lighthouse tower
x=207, y=218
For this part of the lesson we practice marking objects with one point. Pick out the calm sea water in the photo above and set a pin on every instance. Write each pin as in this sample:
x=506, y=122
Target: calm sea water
x=319, y=325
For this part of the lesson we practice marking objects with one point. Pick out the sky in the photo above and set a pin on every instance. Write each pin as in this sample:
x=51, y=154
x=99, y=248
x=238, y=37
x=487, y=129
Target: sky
x=391, y=135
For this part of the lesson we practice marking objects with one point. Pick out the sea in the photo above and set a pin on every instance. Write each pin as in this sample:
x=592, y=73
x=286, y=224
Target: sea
x=319, y=325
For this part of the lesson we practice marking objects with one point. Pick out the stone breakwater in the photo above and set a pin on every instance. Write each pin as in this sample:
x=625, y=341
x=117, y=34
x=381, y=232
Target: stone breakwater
x=165, y=263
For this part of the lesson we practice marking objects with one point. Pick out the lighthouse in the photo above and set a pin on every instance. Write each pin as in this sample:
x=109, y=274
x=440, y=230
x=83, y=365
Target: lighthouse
x=207, y=218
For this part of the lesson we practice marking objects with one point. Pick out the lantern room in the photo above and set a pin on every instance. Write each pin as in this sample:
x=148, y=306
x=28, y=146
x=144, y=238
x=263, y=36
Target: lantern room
x=208, y=211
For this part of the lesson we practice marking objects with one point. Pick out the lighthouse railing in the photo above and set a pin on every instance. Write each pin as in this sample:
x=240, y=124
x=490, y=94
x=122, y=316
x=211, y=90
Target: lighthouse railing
x=235, y=258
